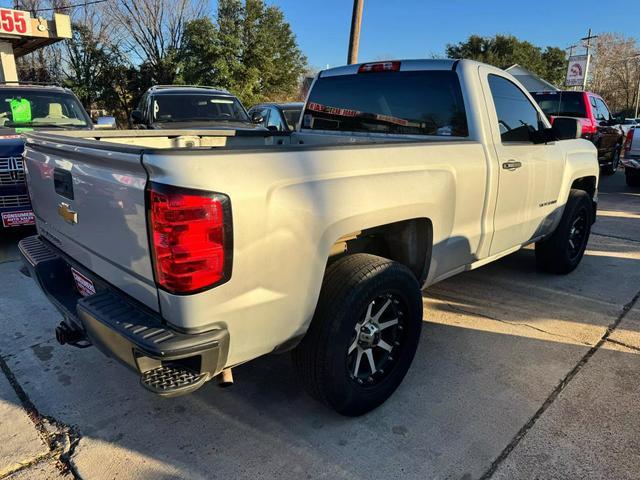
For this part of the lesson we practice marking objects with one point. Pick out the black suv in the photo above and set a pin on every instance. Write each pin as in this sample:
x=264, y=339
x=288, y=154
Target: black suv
x=191, y=107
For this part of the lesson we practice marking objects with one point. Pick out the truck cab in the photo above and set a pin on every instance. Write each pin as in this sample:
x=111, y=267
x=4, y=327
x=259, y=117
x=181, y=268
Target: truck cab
x=27, y=107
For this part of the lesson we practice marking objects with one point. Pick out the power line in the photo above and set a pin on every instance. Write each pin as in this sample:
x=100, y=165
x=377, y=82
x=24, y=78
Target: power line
x=68, y=6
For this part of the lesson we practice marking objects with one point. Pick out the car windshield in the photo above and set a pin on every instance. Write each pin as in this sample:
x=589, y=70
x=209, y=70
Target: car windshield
x=405, y=102
x=190, y=107
x=561, y=104
x=292, y=115
x=23, y=108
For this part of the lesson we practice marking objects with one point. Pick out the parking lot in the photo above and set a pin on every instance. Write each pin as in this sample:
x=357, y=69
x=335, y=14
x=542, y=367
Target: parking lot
x=518, y=375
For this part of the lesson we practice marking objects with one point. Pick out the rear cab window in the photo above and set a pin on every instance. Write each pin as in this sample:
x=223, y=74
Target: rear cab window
x=390, y=102
x=561, y=104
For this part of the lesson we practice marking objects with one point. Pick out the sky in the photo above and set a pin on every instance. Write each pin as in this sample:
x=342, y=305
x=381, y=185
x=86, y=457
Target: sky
x=422, y=28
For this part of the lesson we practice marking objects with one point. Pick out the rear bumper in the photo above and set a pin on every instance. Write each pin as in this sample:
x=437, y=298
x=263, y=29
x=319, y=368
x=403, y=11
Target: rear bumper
x=121, y=327
x=631, y=162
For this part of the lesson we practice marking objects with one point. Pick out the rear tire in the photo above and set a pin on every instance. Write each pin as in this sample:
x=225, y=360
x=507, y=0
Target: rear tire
x=562, y=251
x=632, y=177
x=367, y=304
x=615, y=162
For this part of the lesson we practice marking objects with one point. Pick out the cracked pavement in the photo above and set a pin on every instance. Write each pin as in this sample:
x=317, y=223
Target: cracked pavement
x=518, y=375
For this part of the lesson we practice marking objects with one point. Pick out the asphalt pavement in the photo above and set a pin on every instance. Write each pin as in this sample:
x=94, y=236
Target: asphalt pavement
x=519, y=374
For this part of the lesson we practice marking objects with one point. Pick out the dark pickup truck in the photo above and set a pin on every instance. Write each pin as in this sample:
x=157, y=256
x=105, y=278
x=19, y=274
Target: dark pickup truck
x=27, y=107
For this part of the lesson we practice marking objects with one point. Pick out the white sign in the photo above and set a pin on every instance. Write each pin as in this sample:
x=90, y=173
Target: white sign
x=577, y=70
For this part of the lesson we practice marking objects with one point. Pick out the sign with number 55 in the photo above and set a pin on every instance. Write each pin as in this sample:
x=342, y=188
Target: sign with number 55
x=15, y=22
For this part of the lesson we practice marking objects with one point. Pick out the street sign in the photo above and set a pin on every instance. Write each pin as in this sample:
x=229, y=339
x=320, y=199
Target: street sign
x=577, y=70
x=15, y=22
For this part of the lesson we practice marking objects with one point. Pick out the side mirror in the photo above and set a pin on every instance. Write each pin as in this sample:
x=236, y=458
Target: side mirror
x=136, y=116
x=256, y=117
x=566, y=128
x=105, y=123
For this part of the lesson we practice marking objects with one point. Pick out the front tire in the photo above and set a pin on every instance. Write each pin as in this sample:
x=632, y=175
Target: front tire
x=562, y=251
x=363, y=336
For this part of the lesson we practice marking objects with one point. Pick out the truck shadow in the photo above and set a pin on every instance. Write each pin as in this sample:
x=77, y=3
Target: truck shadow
x=480, y=373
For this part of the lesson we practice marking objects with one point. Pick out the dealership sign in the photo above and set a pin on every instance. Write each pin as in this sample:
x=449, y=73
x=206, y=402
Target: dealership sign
x=577, y=70
x=15, y=22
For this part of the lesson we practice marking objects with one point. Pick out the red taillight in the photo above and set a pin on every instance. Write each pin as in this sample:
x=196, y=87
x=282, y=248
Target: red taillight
x=379, y=67
x=190, y=237
x=628, y=141
x=588, y=128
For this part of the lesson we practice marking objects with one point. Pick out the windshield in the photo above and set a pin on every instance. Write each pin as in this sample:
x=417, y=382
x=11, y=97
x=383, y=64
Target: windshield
x=22, y=108
x=562, y=104
x=190, y=107
x=412, y=102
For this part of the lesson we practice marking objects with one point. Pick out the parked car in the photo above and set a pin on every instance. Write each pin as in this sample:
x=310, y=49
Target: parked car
x=631, y=157
x=278, y=117
x=29, y=107
x=598, y=125
x=400, y=175
x=192, y=107
x=627, y=124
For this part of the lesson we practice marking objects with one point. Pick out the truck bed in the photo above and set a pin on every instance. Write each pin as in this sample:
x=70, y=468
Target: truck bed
x=290, y=201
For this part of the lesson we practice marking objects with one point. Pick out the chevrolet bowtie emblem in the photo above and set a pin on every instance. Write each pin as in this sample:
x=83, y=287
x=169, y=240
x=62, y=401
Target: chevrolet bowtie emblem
x=69, y=216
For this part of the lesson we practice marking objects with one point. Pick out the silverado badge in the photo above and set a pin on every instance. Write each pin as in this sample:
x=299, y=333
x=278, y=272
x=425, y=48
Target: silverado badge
x=69, y=216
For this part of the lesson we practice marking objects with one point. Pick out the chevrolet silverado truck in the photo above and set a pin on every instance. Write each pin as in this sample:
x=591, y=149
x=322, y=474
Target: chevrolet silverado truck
x=184, y=253
x=29, y=107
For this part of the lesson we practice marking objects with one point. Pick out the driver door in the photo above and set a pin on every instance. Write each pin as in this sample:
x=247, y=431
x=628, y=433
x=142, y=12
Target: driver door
x=526, y=168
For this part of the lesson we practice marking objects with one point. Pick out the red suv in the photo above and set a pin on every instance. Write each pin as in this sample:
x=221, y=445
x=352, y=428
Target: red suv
x=598, y=125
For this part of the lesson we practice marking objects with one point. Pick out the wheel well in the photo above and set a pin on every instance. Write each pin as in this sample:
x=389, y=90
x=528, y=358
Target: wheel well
x=588, y=184
x=408, y=242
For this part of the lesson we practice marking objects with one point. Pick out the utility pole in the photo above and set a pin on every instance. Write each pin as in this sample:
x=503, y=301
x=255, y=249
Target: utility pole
x=354, y=38
x=587, y=39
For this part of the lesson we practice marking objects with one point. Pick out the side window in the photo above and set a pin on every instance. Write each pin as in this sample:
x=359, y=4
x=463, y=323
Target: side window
x=597, y=114
x=602, y=108
x=518, y=119
x=274, y=122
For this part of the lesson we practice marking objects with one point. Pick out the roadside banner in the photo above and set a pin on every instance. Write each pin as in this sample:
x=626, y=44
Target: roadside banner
x=577, y=70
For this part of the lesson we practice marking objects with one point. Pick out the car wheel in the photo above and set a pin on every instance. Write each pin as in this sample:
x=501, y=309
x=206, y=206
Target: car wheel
x=363, y=336
x=562, y=251
x=632, y=177
x=615, y=162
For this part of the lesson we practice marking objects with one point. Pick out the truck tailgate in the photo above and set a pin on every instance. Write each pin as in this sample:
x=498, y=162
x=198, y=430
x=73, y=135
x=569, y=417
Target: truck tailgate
x=635, y=143
x=90, y=203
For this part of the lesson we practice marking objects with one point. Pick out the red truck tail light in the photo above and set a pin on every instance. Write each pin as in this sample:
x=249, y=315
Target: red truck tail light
x=628, y=141
x=379, y=67
x=588, y=128
x=191, y=238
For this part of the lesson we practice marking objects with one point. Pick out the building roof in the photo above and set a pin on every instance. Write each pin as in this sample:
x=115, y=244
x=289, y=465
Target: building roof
x=530, y=81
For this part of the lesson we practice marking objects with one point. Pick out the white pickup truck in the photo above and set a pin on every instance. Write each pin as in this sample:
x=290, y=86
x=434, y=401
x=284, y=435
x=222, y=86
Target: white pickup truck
x=631, y=159
x=186, y=253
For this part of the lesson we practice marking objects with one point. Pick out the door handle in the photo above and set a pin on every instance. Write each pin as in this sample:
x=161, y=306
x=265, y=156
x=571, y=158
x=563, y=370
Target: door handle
x=511, y=165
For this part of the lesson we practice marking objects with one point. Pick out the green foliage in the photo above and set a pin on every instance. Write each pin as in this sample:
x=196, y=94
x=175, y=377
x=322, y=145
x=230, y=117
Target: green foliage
x=251, y=51
x=506, y=50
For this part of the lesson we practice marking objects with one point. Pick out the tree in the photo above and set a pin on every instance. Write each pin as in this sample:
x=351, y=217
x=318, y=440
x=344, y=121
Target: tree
x=152, y=31
x=506, y=50
x=615, y=71
x=251, y=51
